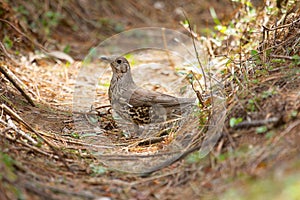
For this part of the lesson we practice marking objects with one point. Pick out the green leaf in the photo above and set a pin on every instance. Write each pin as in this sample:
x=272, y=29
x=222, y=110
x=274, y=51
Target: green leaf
x=8, y=43
x=75, y=135
x=294, y=113
x=268, y=93
x=214, y=16
x=98, y=169
x=277, y=60
x=235, y=121
x=195, y=157
x=261, y=129
x=67, y=49
x=270, y=134
x=296, y=57
x=254, y=52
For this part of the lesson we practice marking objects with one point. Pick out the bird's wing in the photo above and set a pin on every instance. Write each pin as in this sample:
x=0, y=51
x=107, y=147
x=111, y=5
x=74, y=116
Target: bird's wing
x=143, y=97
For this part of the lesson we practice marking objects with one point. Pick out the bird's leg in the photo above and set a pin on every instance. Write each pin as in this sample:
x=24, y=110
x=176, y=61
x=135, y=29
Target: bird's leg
x=125, y=129
x=126, y=134
x=137, y=129
x=132, y=130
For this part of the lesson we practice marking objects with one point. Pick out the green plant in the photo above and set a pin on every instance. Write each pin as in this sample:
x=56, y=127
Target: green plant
x=268, y=93
x=50, y=20
x=296, y=60
x=195, y=157
x=251, y=105
x=256, y=57
x=261, y=129
x=235, y=121
x=21, y=10
x=75, y=135
x=67, y=49
x=97, y=169
x=8, y=43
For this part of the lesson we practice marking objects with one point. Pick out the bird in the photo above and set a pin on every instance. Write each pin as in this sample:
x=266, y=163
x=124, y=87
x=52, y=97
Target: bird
x=139, y=105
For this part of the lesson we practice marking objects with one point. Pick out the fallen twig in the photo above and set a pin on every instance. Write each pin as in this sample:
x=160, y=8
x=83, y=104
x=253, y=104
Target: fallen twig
x=282, y=57
x=7, y=54
x=280, y=27
x=53, y=147
x=6, y=72
x=11, y=125
x=254, y=123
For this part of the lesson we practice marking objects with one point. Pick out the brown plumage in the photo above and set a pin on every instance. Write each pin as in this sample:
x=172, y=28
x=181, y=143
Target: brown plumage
x=138, y=105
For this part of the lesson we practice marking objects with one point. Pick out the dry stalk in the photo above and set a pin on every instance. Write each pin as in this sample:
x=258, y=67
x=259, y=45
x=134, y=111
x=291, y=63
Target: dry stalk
x=52, y=146
x=11, y=125
x=8, y=74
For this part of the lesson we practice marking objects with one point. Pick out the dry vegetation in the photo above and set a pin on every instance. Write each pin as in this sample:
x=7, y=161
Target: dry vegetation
x=256, y=52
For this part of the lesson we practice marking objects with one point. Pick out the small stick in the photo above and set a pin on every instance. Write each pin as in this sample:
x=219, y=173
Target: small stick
x=195, y=48
x=11, y=125
x=148, y=141
x=33, y=148
x=18, y=118
x=199, y=96
x=7, y=54
x=282, y=57
x=103, y=106
x=280, y=27
x=9, y=77
x=255, y=123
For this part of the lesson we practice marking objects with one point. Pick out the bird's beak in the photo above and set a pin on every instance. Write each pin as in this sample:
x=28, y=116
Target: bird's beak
x=106, y=59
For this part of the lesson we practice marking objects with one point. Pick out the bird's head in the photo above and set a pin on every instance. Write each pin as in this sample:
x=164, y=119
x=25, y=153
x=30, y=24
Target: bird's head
x=121, y=68
x=119, y=65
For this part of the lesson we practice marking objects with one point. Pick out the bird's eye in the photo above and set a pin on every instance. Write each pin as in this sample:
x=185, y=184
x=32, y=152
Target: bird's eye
x=119, y=61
